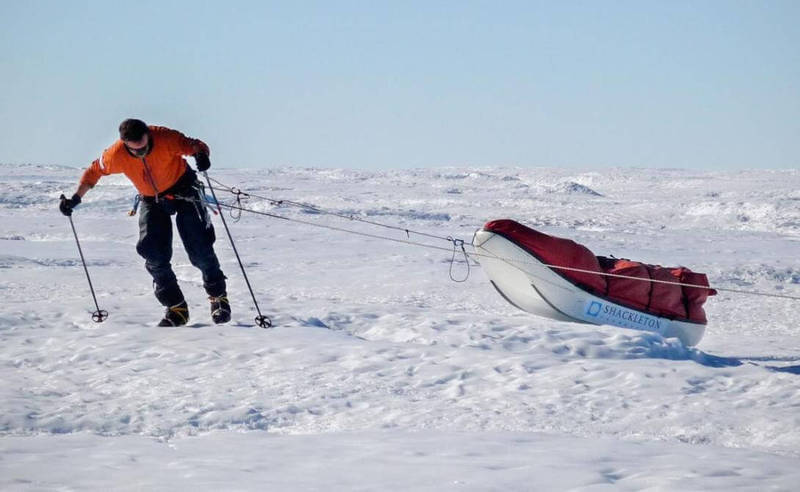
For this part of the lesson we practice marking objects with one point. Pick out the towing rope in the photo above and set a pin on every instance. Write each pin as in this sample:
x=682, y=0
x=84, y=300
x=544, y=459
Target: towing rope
x=306, y=206
x=456, y=243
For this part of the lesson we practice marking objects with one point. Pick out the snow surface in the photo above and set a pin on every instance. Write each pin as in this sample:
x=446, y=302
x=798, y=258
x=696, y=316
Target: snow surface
x=383, y=374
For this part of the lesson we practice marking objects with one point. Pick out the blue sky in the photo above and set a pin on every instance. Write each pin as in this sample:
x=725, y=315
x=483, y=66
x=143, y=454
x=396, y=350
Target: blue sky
x=371, y=85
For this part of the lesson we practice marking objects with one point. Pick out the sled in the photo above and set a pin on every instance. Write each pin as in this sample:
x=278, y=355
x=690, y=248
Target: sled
x=522, y=264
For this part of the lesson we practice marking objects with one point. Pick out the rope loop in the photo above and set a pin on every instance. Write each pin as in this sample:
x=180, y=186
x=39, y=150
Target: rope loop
x=456, y=244
x=236, y=213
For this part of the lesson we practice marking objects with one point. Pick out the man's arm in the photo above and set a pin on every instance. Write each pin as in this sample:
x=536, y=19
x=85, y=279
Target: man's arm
x=191, y=146
x=82, y=189
x=97, y=169
x=184, y=145
x=89, y=178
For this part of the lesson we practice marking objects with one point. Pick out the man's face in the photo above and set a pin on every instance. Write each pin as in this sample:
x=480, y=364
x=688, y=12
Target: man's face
x=139, y=147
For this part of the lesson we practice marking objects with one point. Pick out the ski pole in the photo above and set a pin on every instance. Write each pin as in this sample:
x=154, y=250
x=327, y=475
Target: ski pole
x=100, y=315
x=261, y=320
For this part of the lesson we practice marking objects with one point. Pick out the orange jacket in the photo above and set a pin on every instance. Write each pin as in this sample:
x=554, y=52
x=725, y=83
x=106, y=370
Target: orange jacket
x=159, y=169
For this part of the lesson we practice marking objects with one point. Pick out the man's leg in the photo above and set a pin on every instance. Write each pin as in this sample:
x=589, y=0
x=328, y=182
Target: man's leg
x=198, y=239
x=155, y=246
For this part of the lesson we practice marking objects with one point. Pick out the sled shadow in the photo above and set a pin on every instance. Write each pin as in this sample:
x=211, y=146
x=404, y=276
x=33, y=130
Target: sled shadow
x=709, y=360
x=717, y=361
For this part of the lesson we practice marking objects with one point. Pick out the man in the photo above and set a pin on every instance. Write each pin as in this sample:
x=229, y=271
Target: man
x=152, y=158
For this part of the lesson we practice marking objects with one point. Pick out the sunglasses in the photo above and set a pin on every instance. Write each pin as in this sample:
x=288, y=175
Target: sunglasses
x=140, y=152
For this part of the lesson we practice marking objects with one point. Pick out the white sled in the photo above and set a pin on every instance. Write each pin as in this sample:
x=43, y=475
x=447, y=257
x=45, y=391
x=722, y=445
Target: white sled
x=528, y=284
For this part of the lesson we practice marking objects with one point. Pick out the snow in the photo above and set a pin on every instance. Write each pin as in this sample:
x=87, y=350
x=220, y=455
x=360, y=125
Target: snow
x=383, y=374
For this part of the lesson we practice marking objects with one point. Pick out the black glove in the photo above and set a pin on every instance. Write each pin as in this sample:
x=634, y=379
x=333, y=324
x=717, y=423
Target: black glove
x=67, y=204
x=201, y=161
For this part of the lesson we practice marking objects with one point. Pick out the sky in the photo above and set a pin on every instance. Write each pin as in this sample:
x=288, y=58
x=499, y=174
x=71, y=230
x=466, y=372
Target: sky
x=377, y=85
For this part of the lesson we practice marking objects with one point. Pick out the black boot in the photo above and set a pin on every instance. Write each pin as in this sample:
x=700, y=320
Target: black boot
x=220, y=309
x=176, y=315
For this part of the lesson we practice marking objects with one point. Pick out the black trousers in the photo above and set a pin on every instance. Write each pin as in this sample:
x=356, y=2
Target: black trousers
x=197, y=235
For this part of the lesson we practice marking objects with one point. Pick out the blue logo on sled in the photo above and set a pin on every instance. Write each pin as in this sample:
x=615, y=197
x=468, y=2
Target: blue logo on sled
x=594, y=308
